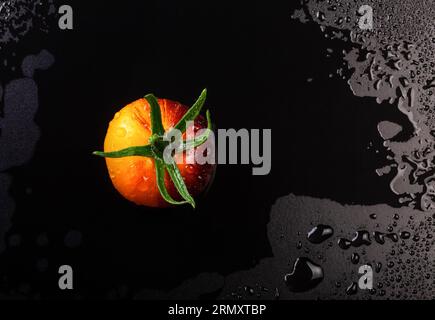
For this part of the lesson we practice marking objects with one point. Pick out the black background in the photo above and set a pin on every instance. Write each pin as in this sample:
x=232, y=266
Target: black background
x=255, y=62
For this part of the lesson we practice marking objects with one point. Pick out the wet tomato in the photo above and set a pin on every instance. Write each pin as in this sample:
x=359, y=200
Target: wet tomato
x=140, y=175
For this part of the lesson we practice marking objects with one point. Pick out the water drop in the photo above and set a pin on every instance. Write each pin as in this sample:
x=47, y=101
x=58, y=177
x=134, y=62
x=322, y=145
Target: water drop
x=354, y=258
x=378, y=267
x=405, y=235
x=344, y=243
x=393, y=237
x=305, y=275
x=320, y=15
x=379, y=237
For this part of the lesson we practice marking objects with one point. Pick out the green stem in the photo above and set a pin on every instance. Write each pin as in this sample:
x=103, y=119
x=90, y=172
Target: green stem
x=156, y=116
x=192, y=113
x=143, y=151
x=160, y=174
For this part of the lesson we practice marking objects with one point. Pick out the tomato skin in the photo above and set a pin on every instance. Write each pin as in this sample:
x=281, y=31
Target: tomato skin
x=135, y=177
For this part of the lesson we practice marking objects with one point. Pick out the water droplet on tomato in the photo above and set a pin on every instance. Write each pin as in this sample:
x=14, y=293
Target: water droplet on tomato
x=117, y=115
x=121, y=132
x=189, y=167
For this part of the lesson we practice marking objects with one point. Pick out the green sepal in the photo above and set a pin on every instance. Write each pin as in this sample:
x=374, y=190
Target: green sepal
x=160, y=177
x=156, y=115
x=178, y=181
x=143, y=151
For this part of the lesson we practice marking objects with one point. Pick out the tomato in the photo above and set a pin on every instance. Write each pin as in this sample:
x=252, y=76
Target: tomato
x=135, y=176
